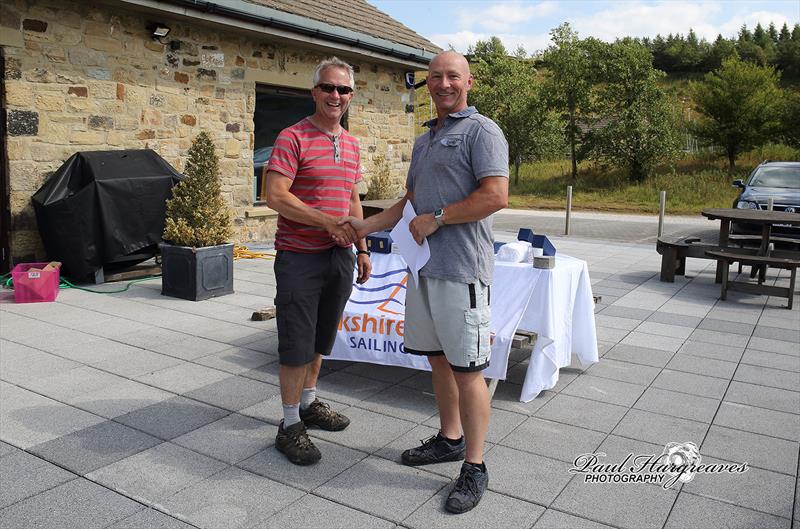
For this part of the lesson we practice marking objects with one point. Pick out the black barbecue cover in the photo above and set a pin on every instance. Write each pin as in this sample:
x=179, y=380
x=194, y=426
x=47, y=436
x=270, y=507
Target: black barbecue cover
x=102, y=206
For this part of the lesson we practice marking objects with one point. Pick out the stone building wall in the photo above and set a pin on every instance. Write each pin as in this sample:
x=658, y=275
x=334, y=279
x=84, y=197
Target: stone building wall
x=86, y=76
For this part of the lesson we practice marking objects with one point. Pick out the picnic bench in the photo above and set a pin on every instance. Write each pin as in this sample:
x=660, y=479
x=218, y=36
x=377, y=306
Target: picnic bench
x=727, y=257
x=675, y=250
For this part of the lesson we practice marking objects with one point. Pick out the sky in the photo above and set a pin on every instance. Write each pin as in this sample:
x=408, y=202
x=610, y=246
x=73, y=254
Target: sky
x=527, y=23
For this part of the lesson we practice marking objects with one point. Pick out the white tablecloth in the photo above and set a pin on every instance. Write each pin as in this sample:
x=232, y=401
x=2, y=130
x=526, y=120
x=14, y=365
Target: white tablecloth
x=557, y=304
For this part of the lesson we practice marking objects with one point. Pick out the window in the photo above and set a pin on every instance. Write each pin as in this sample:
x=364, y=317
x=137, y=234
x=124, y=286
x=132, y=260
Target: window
x=276, y=109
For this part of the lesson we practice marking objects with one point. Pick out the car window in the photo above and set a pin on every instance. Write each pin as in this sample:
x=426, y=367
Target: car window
x=777, y=177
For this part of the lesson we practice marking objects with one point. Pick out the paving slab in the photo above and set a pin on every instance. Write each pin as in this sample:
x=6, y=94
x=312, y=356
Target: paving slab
x=653, y=341
x=785, y=334
x=763, y=397
x=403, y=403
x=553, y=519
x=28, y=419
x=368, y=431
x=172, y=418
x=155, y=474
x=765, y=376
x=695, y=511
x=756, y=489
x=150, y=519
x=692, y=384
x=755, y=357
x=727, y=353
x=120, y=398
x=230, y=439
x=527, y=476
x=702, y=366
x=760, y=451
x=25, y=475
x=369, y=483
x=313, y=511
x=676, y=404
x=234, y=393
x=577, y=411
x=231, y=499
x=624, y=371
x=274, y=465
x=94, y=447
x=675, y=319
x=717, y=337
x=733, y=327
x=759, y=420
x=236, y=360
x=553, y=439
x=639, y=355
x=618, y=505
x=605, y=390
x=773, y=346
x=77, y=503
x=656, y=428
x=494, y=510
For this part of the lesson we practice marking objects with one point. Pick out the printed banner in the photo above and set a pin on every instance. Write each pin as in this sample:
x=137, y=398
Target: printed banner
x=372, y=326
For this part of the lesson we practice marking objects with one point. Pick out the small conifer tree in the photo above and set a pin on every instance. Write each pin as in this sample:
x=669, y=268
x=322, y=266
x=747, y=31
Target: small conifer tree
x=197, y=215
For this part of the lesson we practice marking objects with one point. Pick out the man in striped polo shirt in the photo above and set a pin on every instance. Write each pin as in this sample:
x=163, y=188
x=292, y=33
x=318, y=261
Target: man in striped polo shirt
x=311, y=183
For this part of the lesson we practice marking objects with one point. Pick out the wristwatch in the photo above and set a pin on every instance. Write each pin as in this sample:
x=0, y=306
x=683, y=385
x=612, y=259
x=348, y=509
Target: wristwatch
x=364, y=252
x=438, y=216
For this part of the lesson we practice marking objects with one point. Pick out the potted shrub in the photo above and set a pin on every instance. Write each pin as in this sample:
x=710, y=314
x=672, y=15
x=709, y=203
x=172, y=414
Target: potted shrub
x=197, y=259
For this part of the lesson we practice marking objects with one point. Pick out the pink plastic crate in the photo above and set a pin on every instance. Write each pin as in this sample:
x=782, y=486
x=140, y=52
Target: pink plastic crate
x=31, y=286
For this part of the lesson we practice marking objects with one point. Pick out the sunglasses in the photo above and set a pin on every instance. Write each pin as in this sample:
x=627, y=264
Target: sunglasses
x=329, y=88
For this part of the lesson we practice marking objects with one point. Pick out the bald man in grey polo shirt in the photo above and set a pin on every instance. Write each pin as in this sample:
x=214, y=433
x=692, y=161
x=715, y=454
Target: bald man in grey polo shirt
x=457, y=179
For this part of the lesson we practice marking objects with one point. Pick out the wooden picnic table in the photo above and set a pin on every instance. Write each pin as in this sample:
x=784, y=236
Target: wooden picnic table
x=766, y=219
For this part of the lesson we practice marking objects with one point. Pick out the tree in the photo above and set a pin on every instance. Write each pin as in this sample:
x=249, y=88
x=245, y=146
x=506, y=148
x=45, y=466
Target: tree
x=635, y=126
x=197, y=214
x=569, y=83
x=791, y=117
x=506, y=90
x=740, y=106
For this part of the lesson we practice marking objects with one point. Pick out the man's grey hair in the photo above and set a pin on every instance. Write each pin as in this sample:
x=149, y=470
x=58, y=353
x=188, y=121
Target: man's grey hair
x=334, y=62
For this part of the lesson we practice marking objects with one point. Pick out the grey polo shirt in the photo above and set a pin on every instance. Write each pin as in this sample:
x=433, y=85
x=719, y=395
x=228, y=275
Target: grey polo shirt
x=446, y=167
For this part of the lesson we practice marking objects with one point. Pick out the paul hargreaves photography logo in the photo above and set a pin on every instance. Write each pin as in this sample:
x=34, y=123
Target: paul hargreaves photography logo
x=677, y=463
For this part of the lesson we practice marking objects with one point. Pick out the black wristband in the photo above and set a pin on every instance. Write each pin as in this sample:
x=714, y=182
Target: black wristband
x=364, y=252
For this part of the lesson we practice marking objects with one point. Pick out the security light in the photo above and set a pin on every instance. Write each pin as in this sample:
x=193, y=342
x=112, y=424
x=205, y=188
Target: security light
x=159, y=31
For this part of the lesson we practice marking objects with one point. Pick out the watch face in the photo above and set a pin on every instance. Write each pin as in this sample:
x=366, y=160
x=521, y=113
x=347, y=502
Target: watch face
x=438, y=213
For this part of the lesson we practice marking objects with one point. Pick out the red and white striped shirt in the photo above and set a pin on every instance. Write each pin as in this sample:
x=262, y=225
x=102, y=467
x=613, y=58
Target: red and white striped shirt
x=323, y=169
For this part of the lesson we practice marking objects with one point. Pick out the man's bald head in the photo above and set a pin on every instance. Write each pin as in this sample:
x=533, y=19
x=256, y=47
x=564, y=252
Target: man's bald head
x=450, y=58
x=449, y=80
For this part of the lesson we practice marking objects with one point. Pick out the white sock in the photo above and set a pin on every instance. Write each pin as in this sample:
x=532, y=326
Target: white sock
x=291, y=414
x=309, y=395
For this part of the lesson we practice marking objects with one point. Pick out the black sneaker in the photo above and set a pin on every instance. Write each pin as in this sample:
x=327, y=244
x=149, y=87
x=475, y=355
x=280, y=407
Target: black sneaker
x=295, y=444
x=468, y=490
x=434, y=450
x=321, y=415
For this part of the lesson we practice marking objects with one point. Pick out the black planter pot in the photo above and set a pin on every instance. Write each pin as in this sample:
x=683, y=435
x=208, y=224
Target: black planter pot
x=196, y=273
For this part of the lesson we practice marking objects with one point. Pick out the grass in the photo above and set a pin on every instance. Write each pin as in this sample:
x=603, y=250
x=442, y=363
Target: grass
x=692, y=184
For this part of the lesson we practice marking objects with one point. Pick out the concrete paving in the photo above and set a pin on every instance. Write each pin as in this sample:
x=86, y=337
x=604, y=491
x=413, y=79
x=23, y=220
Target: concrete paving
x=134, y=410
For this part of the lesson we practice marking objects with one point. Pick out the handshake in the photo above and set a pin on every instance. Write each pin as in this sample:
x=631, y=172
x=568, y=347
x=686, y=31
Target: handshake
x=346, y=230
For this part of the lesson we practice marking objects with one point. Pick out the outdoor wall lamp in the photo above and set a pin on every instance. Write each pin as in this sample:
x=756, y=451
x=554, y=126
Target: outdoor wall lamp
x=158, y=31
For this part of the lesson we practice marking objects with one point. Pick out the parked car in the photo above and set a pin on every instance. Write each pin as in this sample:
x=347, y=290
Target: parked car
x=779, y=181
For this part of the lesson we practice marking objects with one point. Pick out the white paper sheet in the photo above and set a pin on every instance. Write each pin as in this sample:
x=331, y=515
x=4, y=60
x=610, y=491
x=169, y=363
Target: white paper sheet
x=415, y=255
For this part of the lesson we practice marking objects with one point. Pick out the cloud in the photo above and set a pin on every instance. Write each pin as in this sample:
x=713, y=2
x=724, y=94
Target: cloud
x=606, y=21
x=462, y=40
x=638, y=19
x=501, y=17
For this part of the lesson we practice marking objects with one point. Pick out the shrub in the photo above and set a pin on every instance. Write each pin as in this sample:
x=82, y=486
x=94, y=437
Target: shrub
x=197, y=215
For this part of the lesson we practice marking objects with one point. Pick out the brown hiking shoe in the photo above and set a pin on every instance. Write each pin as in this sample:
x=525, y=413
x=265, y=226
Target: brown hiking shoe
x=293, y=441
x=321, y=415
